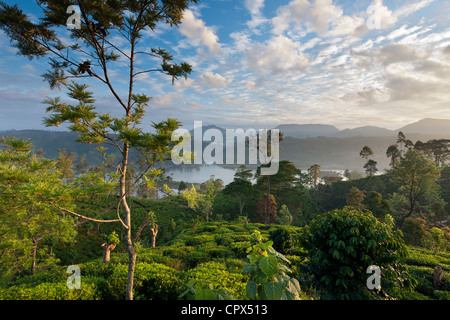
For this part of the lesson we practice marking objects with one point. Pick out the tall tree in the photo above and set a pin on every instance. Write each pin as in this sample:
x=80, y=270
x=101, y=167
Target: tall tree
x=394, y=153
x=371, y=165
x=108, y=33
x=355, y=198
x=314, y=174
x=438, y=149
x=203, y=201
x=32, y=189
x=416, y=177
x=240, y=189
x=243, y=173
x=366, y=152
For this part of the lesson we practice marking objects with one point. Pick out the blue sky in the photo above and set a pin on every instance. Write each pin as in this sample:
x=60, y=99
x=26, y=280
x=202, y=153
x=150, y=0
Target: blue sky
x=261, y=63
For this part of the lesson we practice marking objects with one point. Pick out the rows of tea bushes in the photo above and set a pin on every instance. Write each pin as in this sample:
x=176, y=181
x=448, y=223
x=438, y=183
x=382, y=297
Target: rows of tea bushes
x=211, y=255
x=421, y=264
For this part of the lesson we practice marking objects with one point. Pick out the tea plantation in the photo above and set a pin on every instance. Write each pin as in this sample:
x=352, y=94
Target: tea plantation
x=211, y=255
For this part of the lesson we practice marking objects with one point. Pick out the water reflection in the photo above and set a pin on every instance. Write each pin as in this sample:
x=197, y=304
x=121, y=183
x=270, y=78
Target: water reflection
x=201, y=174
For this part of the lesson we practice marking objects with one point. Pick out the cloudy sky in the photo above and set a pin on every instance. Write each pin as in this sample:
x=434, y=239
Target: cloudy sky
x=261, y=63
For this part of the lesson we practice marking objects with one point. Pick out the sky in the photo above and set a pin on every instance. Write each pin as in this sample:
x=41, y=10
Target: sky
x=261, y=63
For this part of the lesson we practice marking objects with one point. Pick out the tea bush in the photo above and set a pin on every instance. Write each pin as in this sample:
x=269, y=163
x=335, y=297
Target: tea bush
x=216, y=274
x=50, y=291
x=151, y=282
x=342, y=244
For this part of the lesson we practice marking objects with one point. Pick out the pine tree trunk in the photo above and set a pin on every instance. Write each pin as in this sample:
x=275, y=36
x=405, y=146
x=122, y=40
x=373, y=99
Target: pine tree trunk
x=154, y=231
x=130, y=279
x=33, y=265
x=129, y=242
x=107, y=251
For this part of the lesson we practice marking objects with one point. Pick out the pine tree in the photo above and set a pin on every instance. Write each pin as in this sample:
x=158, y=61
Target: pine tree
x=100, y=31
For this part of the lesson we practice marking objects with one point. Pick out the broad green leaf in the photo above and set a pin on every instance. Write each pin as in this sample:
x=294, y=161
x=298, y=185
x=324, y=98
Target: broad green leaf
x=268, y=266
x=205, y=294
x=294, y=286
x=274, y=290
x=251, y=290
x=248, y=268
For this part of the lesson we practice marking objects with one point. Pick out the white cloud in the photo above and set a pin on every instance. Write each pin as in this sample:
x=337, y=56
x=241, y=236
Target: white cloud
x=242, y=41
x=292, y=13
x=380, y=17
x=395, y=52
x=184, y=83
x=320, y=16
x=349, y=25
x=446, y=51
x=279, y=55
x=201, y=35
x=411, y=8
x=213, y=80
x=323, y=12
x=254, y=6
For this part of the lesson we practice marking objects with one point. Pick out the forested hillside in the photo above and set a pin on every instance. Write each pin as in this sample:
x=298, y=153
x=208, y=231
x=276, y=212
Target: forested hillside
x=208, y=241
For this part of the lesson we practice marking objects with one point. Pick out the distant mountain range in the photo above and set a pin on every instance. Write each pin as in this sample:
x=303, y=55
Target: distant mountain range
x=303, y=144
x=438, y=127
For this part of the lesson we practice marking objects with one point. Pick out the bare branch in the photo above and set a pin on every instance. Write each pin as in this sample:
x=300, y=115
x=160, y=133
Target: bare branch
x=84, y=217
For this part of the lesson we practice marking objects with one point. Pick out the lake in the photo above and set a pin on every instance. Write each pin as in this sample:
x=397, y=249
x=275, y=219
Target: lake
x=201, y=174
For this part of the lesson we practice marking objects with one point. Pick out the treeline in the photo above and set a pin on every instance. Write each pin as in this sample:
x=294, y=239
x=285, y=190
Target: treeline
x=54, y=211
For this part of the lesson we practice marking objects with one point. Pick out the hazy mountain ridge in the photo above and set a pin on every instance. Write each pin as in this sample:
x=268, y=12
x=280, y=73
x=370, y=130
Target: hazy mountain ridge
x=438, y=127
x=303, y=144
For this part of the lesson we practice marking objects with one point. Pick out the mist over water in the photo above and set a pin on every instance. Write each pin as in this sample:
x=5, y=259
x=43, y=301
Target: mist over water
x=201, y=173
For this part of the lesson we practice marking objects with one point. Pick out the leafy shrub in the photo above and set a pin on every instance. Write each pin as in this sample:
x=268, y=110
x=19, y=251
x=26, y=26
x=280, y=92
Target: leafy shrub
x=240, y=248
x=215, y=274
x=54, y=276
x=195, y=257
x=414, y=231
x=342, y=244
x=224, y=239
x=197, y=240
x=234, y=265
x=282, y=240
x=195, y=291
x=421, y=258
x=442, y=295
x=178, y=253
x=49, y=291
x=424, y=277
x=97, y=269
x=219, y=252
x=151, y=281
x=268, y=277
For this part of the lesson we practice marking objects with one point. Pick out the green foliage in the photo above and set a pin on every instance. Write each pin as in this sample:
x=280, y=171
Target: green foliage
x=49, y=291
x=436, y=240
x=416, y=178
x=113, y=238
x=216, y=275
x=152, y=281
x=342, y=244
x=197, y=292
x=282, y=240
x=31, y=190
x=284, y=216
x=414, y=232
x=269, y=279
x=202, y=202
